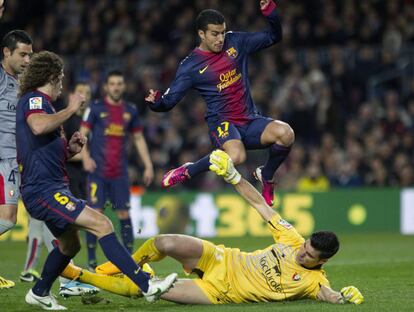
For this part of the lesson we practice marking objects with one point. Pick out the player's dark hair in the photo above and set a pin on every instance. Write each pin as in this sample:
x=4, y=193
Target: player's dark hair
x=112, y=73
x=326, y=242
x=12, y=38
x=44, y=67
x=208, y=16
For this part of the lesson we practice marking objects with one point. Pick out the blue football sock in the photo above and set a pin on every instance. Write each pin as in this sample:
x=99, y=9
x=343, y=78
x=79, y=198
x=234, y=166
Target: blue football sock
x=55, y=263
x=277, y=154
x=126, y=233
x=118, y=255
x=199, y=166
x=91, y=246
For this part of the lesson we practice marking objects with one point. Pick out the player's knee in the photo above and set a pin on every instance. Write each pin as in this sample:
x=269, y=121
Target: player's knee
x=166, y=243
x=8, y=214
x=238, y=156
x=103, y=226
x=285, y=134
x=13, y=219
x=290, y=135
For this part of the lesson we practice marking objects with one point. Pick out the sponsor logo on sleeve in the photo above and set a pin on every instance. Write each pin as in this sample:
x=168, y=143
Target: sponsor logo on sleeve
x=296, y=277
x=285, y=224
x=35, y=102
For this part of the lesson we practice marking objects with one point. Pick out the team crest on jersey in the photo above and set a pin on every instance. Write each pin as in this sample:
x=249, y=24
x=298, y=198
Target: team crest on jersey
x=12, y=193
x=127, y=116
x=232, y=52
x=103, y=115
x=35, y=102
x=70, y=206
x=285, y=224
x=296, y=277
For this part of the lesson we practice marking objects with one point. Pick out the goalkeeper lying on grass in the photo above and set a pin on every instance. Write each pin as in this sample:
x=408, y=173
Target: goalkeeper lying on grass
x=289, y=269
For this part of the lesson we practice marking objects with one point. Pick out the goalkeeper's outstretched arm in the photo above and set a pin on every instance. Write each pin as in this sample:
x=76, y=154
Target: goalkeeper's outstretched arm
x=348, y=294
x=255, y=199
x=222, y=165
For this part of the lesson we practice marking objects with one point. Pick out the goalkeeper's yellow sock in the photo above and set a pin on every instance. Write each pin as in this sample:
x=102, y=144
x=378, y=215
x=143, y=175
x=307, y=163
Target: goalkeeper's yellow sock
x=148, y=252
x=120, y=285
x=107, y=268
x=71, y=272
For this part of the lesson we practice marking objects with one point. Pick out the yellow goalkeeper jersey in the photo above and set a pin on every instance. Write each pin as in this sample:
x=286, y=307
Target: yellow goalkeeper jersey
x=270, y=274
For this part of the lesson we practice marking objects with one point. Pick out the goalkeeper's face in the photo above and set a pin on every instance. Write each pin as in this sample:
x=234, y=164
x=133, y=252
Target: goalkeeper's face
x=308, y=256
x=212, y=39
x=115, y=87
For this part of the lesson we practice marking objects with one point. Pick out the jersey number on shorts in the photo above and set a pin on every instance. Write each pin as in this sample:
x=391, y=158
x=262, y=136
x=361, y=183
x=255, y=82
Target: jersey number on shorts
x=224, y=130
x=61, y=199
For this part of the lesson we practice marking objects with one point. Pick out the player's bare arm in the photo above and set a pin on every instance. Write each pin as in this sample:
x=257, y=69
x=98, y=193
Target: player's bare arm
x=222, y=165
x=41, y=123
x=142, y=148
x=255, y=199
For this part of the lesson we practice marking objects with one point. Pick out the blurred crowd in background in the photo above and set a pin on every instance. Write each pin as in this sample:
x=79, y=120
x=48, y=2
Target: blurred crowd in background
x=342, y=78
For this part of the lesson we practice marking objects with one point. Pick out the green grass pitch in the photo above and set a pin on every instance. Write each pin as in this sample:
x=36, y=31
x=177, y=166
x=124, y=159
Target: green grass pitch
x=380, y=265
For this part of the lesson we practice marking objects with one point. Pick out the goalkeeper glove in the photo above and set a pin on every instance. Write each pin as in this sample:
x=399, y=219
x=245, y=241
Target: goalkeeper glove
x=351, y=294
x=222, y=165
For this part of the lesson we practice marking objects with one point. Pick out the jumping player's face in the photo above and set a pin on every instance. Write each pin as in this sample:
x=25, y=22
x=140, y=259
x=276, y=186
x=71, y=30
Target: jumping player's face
x=115, y=88
x=308, y=256
x=212, y=39
x=19, y=59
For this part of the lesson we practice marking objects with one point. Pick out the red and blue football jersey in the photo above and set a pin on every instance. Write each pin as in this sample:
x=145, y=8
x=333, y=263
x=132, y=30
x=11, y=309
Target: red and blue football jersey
x=110, y=126
x=222, y=78
x=41, y=158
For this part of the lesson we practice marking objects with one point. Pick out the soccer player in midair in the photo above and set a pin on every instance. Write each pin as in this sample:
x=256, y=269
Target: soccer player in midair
x=217, y=68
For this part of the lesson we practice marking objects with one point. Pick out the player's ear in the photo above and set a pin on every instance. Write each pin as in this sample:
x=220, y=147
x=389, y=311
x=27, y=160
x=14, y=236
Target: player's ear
x=201, y=34
x=6, y=52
